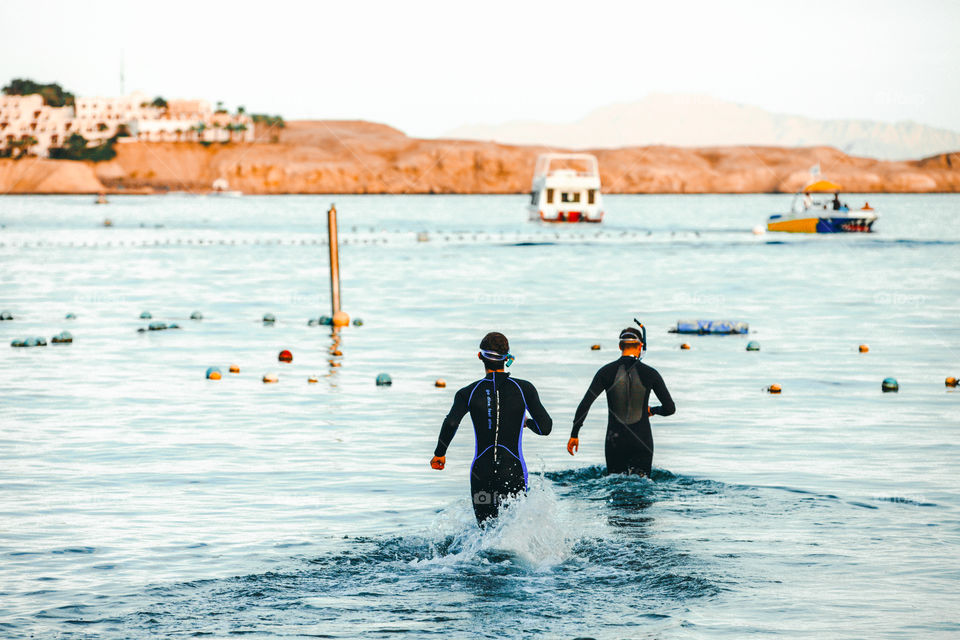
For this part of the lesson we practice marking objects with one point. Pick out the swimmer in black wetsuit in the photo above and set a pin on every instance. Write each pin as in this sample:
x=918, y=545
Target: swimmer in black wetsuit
x=498, y=406
x=628, y=383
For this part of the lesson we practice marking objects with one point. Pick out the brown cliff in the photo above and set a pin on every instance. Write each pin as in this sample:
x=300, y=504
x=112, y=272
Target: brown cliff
x=363, y=157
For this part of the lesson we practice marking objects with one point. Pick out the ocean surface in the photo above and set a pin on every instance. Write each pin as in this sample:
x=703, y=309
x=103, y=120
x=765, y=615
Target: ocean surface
x=138, y=499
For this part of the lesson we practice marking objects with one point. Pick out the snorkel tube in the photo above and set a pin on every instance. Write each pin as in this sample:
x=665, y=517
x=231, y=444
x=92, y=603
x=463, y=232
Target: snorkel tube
x=643, y=333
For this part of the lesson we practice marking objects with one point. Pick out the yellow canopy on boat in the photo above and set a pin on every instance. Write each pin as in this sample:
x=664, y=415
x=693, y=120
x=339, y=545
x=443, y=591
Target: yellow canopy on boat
x=821, y=186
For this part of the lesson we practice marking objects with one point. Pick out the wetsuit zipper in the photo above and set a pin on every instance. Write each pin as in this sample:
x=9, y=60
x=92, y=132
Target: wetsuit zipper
x=496, y=424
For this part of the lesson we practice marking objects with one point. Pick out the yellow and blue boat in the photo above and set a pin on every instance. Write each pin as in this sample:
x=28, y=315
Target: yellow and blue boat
x=817, y=209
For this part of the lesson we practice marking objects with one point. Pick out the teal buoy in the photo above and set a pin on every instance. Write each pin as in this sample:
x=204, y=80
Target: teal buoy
x=357, y=322
x=64, y=337
x=70, y=316
x=18, y=343
x=157, y=326
x=145, y=315
x=6, y=315
x=753, y=345
x=196, y=315
x=890, y=384
x=173, y=326
x=213, y=373
x=312, y=322
x=326, y=321
x=384, y=380
x=36, y=341
x=141, y=330
x=269, y=318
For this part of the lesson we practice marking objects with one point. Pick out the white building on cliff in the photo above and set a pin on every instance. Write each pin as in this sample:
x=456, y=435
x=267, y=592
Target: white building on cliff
x=24, y=119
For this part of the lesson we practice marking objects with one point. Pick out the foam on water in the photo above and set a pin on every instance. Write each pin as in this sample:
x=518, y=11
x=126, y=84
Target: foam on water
x=537, y=530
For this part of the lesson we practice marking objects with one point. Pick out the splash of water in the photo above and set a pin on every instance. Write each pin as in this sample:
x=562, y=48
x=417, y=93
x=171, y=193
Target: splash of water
x=536, y=530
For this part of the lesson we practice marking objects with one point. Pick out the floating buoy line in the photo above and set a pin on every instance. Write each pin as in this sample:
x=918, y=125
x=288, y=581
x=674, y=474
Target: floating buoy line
x=149, y=238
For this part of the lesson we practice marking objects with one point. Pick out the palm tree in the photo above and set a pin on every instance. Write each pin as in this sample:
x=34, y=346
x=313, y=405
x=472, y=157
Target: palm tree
x=21, y=148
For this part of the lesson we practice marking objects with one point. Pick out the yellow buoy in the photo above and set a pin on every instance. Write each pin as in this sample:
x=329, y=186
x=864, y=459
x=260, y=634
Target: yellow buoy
x=234, y=368
x=270, y=378
x=440, y=383
x=685, y=346
x=774, y=388
x=864, y=348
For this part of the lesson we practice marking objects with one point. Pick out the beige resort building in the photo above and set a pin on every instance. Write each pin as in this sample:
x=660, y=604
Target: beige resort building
x=98, y=119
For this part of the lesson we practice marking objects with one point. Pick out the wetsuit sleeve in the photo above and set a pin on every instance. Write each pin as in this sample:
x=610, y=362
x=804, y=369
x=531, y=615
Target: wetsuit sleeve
x=451, y=422
x=667, y=407
x=596, y=388
x=540, y=421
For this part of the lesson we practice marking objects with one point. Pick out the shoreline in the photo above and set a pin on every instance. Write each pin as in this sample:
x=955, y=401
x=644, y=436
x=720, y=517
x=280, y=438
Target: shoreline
x=350, y=157
x=133, y=192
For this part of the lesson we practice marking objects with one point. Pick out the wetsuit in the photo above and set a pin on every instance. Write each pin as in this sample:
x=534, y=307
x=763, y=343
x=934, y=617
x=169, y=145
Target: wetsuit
x=629, y=443
x=498, y=406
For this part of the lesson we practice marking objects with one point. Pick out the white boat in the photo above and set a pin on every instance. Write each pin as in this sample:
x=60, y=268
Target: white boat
x=566, y=188
x=222, y=188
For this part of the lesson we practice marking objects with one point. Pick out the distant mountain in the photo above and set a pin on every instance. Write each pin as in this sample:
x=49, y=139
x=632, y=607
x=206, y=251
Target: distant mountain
x=700, y=121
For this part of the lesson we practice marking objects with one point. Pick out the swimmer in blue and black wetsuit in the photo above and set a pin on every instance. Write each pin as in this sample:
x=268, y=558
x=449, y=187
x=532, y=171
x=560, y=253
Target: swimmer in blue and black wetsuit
x=499, y=406
x=628, y=383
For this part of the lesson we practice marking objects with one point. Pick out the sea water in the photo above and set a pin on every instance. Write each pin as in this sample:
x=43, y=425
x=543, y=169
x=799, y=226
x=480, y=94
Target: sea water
x=138, y=499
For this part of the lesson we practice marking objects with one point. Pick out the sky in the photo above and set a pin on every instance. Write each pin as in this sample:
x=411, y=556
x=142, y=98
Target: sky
x=427, y=67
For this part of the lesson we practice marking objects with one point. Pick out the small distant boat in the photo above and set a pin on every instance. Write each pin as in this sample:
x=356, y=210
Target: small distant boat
x=222, y=188
x=566, y=188
x=101, y=199
x=814, y=211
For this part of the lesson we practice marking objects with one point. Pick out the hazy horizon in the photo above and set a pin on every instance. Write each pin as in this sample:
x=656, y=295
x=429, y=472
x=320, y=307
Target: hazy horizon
x=428, y=68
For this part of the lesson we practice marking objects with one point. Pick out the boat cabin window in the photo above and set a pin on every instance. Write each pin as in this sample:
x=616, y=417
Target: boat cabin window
x=591, y=196
x=549, y=196
x=567, y=196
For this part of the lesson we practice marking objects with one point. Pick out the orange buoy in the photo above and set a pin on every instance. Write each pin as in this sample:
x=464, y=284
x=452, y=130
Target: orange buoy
x=441, y=383
x=341, y=319
x=864, y=348
x=270, y=378
x=774, y=388
x=285, y=356
x=234, y=368
x=685, y=346
x=950, y=382
x=595, y=347
x=313, y=380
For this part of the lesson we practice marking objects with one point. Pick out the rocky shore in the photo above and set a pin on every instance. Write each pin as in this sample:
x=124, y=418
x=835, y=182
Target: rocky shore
x=363, y=157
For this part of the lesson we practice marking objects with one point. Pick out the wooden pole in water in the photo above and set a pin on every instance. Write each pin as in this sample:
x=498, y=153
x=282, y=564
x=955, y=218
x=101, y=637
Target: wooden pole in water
x=334, y=259
x=340, y=319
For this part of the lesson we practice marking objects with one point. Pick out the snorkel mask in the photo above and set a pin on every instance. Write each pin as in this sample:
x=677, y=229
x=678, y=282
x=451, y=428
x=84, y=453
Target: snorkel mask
x=507, y=358
x=629, y=337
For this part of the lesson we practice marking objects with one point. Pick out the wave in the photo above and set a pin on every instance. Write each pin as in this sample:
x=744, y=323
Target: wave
x=544, y=554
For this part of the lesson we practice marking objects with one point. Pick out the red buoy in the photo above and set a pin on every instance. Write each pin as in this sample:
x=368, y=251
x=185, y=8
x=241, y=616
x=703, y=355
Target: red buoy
x=285, y=356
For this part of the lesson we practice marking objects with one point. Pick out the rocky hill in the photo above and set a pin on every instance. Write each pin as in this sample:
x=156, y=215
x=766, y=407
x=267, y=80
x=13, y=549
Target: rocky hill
x=363, y=157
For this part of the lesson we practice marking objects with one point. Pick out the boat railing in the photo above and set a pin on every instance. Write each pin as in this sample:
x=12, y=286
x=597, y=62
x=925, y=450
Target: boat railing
x=584, y=164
